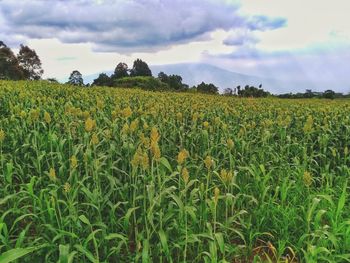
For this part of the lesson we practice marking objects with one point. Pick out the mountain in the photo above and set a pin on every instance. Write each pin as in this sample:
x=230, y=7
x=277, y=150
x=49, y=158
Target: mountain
x=194, y=73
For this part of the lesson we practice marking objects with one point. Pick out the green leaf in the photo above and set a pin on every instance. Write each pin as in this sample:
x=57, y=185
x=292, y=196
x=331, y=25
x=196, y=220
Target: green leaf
x=64, y=252
x=341, y=202
x=164, y=242
x=17, y=253
x=166, y=164
x=145, y=254
x=84, y=220
x=220, y=240
x=86, y=253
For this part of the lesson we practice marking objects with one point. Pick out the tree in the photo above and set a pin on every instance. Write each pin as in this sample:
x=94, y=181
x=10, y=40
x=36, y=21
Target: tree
x=102, y=80
x=238, y=88
x=140, y=68
x=228, y=92
x=163, y=77
x=76, y=79
x=173, y=81
x=121, y=71
x=207, y=88
x=329, y=94
x=30, y=62
x=9, y=66
x=251, y=91
x=52, y=80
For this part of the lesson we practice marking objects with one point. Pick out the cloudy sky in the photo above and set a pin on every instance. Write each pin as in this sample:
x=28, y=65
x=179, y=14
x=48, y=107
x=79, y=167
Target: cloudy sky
x=281, y=39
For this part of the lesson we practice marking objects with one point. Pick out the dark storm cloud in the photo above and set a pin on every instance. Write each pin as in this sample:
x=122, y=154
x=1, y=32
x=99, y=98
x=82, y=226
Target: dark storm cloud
x=134, y=25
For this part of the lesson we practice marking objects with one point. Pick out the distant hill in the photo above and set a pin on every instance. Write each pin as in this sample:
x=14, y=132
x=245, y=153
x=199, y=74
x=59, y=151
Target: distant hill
x=195, y=73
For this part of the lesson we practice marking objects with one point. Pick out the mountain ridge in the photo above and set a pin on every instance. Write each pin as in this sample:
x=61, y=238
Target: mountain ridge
x=194, y=73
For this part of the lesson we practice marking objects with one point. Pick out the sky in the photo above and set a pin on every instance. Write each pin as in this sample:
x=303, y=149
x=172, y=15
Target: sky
x=290, y=40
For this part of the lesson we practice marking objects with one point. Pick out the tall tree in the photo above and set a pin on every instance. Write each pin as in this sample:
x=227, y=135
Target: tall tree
x=174, y=81
x=30, y=62
x=76, y=79
x=163, y=77
x=207, y=88
x=102, y=80
x=9, y=67
x=121, y=71
x=228, y=91
x=140, y=68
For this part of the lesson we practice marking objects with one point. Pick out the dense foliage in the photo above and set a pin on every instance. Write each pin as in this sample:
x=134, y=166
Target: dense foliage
x=124, y=175
x=145, y=83
x=26, y=65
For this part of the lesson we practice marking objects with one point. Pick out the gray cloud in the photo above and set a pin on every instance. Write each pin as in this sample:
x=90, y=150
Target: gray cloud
x=135, y=25
x=241, y=38
x=263, y=23
x=320, y=66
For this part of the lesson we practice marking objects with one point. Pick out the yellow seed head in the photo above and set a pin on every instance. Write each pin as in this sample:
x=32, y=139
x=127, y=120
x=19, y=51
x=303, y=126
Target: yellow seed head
x=185, y=175
x=133, y=125
x=230, y=144
x=127, y=112
x=66, y=187
x=108, y=134
x=140, y=159
x=100, y=104
x=52, y=174
x=94, y=139
x=208, y=161
x=2, y=135
x=89, y=124
x=144, y=140
x=154, y=135
x=334, y=152
x=23, y=114
x=226, y=176
x=181, y=157
x=216, y=195
x=179, y=116
x=47, y=117
x=206, y=125
x=145, y=161
x=73, y=162
x=125, y=129
x=308, y=124
x=307, y=177
x=34, y=114
x=155, y=151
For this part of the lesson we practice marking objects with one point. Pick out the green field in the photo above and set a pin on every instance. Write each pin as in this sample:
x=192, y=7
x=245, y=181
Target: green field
x=124, y=175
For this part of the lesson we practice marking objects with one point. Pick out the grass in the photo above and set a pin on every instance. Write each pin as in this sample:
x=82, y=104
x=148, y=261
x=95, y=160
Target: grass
x=116, y=175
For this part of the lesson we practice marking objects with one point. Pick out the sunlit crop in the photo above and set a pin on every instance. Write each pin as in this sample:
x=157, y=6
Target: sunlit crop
x=123, y=175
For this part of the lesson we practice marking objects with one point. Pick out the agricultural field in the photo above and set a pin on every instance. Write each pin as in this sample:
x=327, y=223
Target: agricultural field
x=123, y=175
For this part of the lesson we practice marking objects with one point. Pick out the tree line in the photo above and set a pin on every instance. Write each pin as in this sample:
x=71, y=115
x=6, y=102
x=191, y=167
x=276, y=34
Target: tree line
x=26, y=65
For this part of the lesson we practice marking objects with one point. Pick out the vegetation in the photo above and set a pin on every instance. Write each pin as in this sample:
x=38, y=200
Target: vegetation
x=174, y=82
x=116, y=175
x=146, y=83
x=251, y=91
x=76, y=79
x=328, y=94
x=207, y=88
x=26, y=65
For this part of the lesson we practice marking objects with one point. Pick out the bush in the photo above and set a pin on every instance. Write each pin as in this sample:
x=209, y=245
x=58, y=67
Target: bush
x=146, y=83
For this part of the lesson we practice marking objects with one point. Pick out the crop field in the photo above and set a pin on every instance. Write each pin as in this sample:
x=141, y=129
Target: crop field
x=123, y=175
